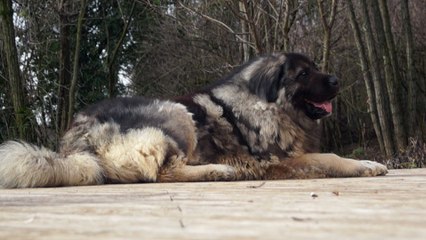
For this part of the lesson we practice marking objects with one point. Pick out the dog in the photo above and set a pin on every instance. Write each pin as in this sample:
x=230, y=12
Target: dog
x=262, y=121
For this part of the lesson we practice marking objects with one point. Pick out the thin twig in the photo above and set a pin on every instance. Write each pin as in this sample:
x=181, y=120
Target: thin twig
x=258, y=186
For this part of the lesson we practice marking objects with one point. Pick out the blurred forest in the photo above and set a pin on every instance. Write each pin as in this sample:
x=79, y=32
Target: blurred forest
x=56, y=57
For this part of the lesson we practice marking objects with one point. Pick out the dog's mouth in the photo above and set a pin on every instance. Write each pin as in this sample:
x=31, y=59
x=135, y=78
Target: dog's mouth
x=325, y=106
x=318, y=109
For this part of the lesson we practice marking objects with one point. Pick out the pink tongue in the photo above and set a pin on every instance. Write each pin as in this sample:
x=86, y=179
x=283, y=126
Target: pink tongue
x=326, y=106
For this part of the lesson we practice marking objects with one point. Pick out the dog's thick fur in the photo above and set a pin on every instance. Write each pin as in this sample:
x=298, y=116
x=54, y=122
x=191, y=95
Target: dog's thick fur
x=261, y=122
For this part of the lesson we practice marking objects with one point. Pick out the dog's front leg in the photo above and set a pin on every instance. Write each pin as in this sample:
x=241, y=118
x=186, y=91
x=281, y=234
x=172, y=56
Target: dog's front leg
x=177, y=170
x=320, y=165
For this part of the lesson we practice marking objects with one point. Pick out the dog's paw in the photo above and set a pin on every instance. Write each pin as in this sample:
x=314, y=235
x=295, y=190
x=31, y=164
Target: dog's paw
x=219, y=172
x=371, y=168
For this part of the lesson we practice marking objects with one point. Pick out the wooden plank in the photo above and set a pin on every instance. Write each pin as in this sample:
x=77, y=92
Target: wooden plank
x=389, y=207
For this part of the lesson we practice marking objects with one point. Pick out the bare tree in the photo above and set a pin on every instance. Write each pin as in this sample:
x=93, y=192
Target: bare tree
x=64, y=67
x=411, y=74
x=372, y=107
x=76, y=63
x=244, y=33
x=291, y=7
x=327, y=25
x=384, y=32
x=17, y=89
x=113, y=54
x=379, y=89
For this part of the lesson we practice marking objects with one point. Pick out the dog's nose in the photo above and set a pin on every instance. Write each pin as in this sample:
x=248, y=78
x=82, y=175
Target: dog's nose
x=332, y=80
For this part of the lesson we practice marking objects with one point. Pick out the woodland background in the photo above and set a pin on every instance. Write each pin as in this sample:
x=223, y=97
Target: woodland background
x=57, y=56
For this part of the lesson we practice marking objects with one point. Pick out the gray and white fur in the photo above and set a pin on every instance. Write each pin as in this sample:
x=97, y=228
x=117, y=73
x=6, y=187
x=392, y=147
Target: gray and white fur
x=260, y=122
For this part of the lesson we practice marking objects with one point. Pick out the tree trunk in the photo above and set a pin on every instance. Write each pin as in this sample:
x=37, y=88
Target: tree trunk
x=372, y=107
x=327, y=25
x=384, y=28
x=379, y=89
x=411, y=76
x=76, y=64
x=64, y=70
x=290, y=13
x=244, y=30
x=112, y=57
x=249, y=14
x=17, y=89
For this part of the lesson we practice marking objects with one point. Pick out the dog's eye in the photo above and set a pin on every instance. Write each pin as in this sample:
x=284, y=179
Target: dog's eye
x=303, y=73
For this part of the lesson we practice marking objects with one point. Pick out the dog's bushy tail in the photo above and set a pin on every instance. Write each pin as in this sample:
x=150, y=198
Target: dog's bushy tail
x=24, y=165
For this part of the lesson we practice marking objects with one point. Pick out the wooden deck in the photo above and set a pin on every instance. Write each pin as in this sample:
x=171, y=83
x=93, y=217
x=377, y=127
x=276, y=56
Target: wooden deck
x=390, y=207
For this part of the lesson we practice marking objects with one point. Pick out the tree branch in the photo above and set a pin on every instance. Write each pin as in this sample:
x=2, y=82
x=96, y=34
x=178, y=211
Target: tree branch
x=76, y=66
x=216, y=21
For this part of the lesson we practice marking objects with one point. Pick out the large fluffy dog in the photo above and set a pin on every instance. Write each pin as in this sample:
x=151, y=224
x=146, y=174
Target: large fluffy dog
x=260, y=122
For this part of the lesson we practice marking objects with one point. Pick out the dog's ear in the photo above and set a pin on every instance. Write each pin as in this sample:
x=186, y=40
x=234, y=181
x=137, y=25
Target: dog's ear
x=267, y=81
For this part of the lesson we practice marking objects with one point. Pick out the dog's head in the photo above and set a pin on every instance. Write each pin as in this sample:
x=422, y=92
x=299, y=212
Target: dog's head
x=293, y=78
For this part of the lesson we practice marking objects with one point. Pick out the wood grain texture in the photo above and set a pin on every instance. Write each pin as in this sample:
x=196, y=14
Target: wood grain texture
x=389, y=207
